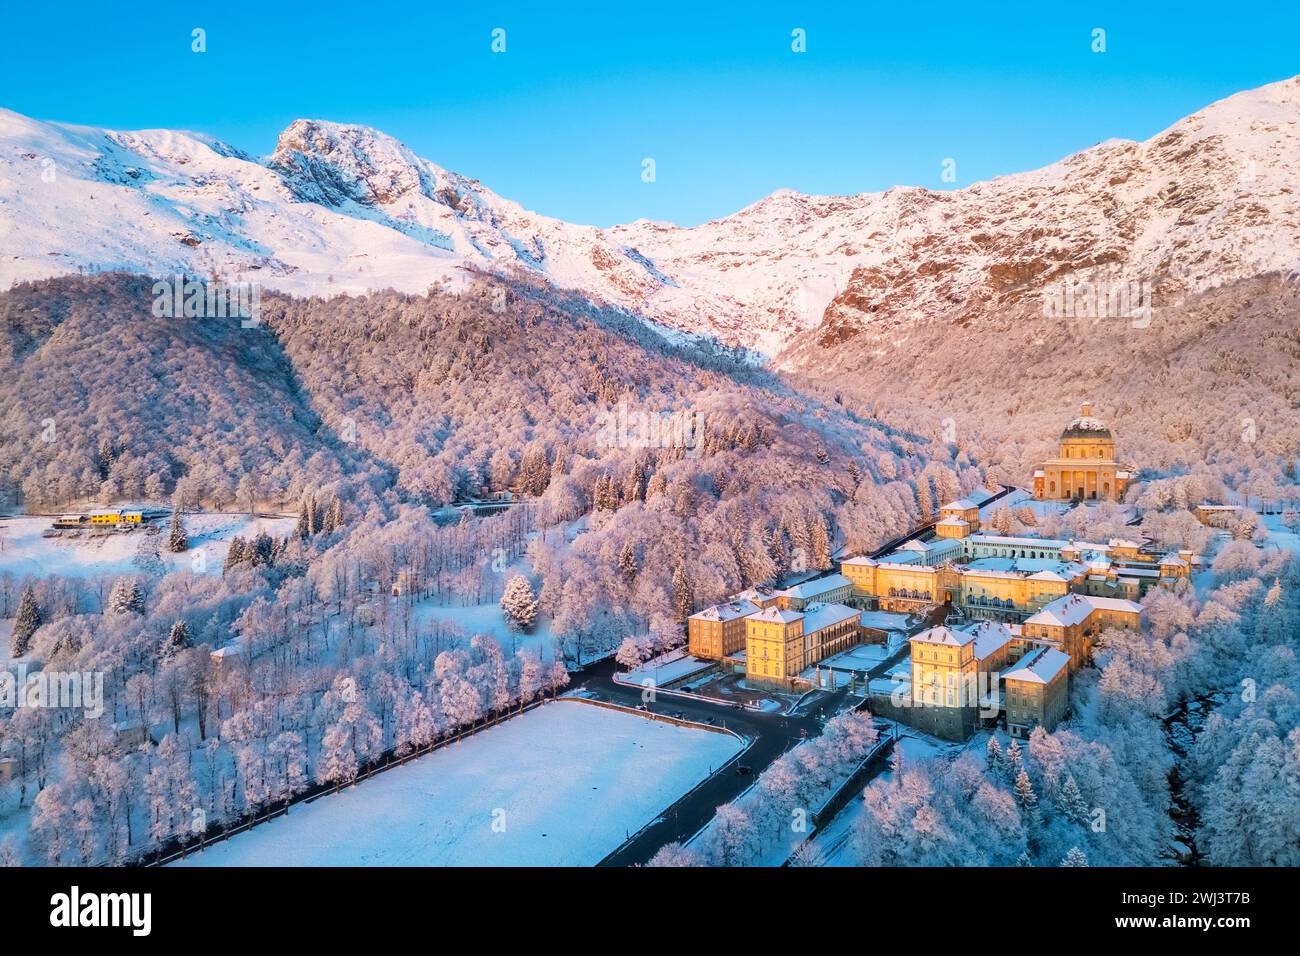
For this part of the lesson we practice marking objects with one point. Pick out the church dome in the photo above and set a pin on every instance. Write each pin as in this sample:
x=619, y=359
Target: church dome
x=1086, y=426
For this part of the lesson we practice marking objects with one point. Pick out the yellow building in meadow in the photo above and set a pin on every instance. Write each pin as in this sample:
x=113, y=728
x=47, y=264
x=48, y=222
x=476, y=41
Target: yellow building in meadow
x=1084, y=467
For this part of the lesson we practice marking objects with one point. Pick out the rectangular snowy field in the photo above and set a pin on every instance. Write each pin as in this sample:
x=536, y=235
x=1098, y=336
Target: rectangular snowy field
x=564, y=784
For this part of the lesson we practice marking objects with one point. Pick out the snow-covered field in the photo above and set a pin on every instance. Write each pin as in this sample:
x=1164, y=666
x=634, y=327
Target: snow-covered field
x=562, y=785
x=24, y=552
x=487, y=618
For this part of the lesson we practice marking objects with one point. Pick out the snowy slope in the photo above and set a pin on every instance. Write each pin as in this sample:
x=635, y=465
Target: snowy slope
x=340, y=208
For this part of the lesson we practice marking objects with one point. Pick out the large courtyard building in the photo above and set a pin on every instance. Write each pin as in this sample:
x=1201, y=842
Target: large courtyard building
x=1084, y=468
x=780, y=643
x=990, y=577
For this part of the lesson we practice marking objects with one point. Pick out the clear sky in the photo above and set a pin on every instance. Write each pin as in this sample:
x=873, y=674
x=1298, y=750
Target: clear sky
x=562, y=120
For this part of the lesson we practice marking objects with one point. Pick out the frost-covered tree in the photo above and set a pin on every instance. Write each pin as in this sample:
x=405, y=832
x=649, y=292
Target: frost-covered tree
x=519, y=604
x=1075, y=857
x=26, y=623
x=178, y=639
x=630, y=653
x=177, y=539
x=126, y=597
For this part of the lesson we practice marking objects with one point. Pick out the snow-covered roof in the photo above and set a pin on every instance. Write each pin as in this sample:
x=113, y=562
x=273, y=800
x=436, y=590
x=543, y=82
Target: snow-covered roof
x=810, y=589
x=726, y=612
x=1115, y=604
x=861, y=560
x=774, y=615
x=818, y=616
x=1009, y=541
x=990, y=637
x=1173, y=559
x=953, y=523
x=754, y=594
x=883, y=620
x=1075, y=608
x=945, y=636
x=1047, y=576
x=1040, y=666
x=961, y=504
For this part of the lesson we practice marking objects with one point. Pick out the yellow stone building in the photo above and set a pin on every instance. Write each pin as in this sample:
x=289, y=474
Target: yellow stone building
x=958, y=519
x=947, y=664
x=1085, y=467
x=1037, y=691
x=781, y=643
x=1074, y=623
x=719, y=631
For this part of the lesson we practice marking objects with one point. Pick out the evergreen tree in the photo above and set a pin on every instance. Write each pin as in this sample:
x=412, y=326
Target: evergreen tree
x=26, y=623
x=1024, y=859
x=656, y=486
x=924, y=503
x=260, y=551
x=235, y=554
x=177, y=539
x=518, y=603
x=820, y=540
x=627, y=561
x=1024, y=790
x=1075, y=857
x=994, y=755
x=126, y=597
x=681, y=594
x=1012, y=763
x=178, y=639
x=1072, y=803
x=336, y=514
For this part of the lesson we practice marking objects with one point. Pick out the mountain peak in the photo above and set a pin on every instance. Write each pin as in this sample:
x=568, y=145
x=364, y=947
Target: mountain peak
x=336, y=163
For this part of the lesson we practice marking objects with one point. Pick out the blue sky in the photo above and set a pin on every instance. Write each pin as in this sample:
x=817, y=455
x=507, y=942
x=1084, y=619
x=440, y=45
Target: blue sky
x=563, y=119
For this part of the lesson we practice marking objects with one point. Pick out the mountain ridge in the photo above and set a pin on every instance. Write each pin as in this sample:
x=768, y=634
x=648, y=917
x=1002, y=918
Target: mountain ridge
x=345, y=208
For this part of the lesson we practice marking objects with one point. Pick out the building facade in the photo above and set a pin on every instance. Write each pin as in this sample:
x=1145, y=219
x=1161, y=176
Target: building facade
x=781, y=643
x=1037, y=692
x=719, y=631
x=1073, y=623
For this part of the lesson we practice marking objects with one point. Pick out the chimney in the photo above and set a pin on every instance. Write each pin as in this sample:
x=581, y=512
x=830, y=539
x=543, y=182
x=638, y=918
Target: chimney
x=1085, y=410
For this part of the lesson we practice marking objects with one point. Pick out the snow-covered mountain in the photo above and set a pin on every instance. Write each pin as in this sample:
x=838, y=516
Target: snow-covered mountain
x=340, y=208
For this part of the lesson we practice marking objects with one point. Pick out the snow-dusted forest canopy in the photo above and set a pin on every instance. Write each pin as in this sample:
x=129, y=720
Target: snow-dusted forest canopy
x=366, y=417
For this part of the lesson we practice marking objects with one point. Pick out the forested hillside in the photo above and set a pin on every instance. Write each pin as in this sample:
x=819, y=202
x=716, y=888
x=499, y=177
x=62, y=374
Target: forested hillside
x=1212, y=383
